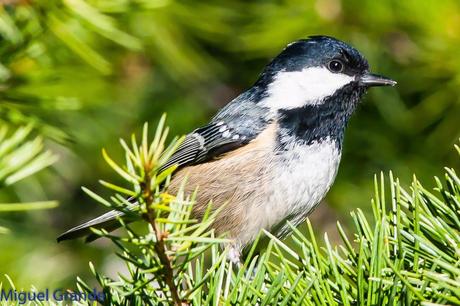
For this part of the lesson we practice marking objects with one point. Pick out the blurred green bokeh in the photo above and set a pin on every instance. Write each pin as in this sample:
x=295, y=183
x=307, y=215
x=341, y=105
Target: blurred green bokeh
x=88, y=73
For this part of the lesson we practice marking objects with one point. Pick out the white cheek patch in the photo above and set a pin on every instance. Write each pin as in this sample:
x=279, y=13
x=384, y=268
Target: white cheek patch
x=293, y=89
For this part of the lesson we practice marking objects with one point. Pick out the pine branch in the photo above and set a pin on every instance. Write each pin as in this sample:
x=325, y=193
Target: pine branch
x=407, y=254
x=21, y=157
x=159, y=244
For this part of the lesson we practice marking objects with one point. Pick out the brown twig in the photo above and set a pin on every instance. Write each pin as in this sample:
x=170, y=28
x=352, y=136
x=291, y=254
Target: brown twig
x=160, y=246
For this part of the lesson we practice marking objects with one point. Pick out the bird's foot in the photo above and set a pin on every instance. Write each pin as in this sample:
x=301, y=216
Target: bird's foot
x=234, y=254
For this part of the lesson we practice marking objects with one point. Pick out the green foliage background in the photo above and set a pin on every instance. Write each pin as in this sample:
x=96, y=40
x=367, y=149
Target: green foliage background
x=87, y=73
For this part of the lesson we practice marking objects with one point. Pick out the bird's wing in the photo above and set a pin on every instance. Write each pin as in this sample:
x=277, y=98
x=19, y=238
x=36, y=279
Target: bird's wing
x=235, y=126
x=201, y=145
x=206, y=143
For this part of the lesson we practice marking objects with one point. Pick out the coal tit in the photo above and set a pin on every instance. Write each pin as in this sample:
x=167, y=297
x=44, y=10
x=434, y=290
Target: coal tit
x=273, y=152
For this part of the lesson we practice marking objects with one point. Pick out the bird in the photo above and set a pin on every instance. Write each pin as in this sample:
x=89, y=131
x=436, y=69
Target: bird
x=270, y=156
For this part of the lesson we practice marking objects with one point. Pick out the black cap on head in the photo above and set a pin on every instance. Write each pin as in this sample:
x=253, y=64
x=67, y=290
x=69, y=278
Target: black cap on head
x=324, y=51
x=317, y=51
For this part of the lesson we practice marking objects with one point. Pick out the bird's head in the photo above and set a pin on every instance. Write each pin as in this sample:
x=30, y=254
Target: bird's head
x=309, y=72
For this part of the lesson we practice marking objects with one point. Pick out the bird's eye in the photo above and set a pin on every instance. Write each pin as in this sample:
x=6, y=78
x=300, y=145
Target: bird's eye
x=335, y=66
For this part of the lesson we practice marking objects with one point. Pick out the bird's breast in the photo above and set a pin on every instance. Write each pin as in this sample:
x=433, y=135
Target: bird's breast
x=302, y=177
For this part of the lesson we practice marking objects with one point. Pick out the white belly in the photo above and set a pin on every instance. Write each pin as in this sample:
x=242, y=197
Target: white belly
x=260, y=189
x=302, y=175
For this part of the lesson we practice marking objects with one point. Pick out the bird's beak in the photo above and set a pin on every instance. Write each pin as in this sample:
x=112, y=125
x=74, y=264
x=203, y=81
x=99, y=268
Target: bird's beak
x=370, y=79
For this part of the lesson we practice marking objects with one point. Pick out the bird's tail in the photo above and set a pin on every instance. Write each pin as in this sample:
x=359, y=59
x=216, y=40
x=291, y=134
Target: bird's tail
x=107, y=221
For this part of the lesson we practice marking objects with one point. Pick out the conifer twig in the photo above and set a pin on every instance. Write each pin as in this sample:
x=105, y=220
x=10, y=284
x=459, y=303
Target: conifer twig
x=160, y=246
